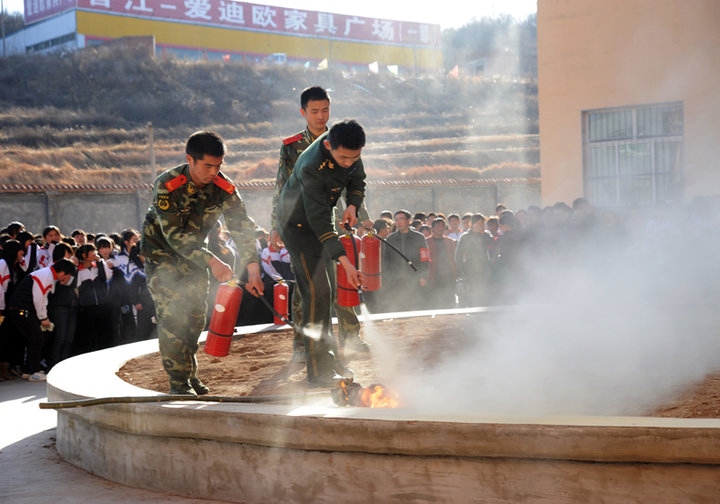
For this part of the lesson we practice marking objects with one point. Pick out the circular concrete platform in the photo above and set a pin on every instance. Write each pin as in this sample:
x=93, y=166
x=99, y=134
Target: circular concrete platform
x=317, y=452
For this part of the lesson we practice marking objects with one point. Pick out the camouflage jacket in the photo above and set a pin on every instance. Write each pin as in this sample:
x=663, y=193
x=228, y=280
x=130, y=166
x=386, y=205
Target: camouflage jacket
x=181, y=216
x=313, y=189
x=289, y=152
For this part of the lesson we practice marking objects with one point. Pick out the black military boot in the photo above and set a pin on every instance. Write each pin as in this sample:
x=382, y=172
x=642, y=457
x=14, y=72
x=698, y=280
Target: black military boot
x=181, y=388
x=199, y=387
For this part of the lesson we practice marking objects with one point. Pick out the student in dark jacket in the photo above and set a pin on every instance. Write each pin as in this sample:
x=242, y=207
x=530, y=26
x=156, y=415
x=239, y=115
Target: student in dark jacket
x=137, y=308
x=94, y=329
x=12, y=348
x=62, y=310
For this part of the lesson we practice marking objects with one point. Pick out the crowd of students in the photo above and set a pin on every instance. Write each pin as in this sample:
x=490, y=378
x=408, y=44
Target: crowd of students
x=457, y=261
x=100, y=300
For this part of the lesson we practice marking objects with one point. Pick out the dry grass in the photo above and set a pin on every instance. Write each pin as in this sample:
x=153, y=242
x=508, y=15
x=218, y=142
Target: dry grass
x=90, y=126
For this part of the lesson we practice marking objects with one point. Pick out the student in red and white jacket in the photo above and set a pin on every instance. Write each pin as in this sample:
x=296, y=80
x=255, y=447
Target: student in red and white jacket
x=27, y=309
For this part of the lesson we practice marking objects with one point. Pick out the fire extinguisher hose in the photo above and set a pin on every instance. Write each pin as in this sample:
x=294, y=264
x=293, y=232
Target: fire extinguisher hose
x=172, y=398
x=270, y=307
x=407, y=260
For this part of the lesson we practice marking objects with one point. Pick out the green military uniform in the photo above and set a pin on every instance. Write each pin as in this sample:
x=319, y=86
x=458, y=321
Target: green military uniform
x=305, y=223
x=349, y=327
x=173, y=244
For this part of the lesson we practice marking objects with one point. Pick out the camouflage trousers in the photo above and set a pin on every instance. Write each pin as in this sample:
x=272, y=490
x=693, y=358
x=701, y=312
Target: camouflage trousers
x=180, y=293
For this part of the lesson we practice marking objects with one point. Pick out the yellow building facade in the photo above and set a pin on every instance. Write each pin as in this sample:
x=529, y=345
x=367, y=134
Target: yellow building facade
x=231, y=30
x=629, y=97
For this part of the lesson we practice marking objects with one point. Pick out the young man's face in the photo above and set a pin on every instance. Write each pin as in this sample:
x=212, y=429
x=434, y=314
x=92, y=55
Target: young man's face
x=62, y=278
x=204, y=170
x=317, y=114
x=438, y=230
x=402, y=223
x=467, y=223
x=479, y=226
x=80, y=239
x=342, y=155
x=454, y=223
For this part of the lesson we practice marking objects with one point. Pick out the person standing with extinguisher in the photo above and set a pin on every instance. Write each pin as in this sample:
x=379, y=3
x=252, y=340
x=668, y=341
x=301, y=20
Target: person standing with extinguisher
x=187, y=202
x=305, y=223
x=315, y=109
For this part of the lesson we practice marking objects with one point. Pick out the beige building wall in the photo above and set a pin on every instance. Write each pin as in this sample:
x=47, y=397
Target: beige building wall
x=595, y=54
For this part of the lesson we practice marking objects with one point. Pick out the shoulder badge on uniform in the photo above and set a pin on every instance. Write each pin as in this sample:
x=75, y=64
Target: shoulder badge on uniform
x=224, y=185
x=292, y=139
x=163, y=201
x=326, y=163
x=176, y=183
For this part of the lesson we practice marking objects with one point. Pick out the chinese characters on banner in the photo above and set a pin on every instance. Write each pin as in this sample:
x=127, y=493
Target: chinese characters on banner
x=36, y=10
x=229, y=13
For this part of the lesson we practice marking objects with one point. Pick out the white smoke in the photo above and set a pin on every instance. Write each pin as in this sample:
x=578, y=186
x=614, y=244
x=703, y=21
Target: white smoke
x=612, y=329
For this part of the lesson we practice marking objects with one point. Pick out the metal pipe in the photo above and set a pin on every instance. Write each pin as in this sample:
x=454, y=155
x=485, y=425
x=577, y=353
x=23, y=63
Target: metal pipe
x=79, y=403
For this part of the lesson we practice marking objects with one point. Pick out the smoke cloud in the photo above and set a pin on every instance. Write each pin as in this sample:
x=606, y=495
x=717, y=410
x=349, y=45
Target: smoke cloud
x=606, y=326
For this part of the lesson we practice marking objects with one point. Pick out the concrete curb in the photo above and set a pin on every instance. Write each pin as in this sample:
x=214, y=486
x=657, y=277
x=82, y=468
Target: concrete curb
x=316, y=452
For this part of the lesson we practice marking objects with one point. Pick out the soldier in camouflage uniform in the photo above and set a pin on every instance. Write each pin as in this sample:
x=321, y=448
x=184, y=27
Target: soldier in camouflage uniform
x=305, y=222
x=315, y=108
x=187, y=202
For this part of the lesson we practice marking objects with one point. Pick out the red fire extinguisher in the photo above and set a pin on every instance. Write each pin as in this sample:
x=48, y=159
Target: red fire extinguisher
x=371, y=262
x=281, y=293
x=224, y=316
x=347, y=295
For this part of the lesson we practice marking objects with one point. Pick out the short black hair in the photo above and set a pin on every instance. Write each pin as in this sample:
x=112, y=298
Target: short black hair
x=477, y=217
x=507, y=218
x=205, y=142
x=60, y=250
x=381, y=223
x=403, y=212
x=83, y=250
x=24, y=236
x=15, y=227
x=65, y=266
x=348, y=134
x=313, y=93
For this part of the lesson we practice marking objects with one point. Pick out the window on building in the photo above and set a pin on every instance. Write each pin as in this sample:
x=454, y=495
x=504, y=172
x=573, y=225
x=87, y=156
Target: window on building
x=633, y=155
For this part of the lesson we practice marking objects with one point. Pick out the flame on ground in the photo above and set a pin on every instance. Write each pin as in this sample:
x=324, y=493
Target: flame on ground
x=348, y=393
x=377, y=396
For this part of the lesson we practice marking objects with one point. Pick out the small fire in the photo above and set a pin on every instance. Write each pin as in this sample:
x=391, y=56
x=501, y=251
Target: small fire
x=349, y=393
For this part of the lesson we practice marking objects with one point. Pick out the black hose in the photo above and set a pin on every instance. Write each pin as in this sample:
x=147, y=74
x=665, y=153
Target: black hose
x=170, y=398
x=272, y=309
x=410, y=263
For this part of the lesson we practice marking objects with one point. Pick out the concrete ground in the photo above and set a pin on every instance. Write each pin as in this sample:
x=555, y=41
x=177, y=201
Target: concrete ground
x=32, y=472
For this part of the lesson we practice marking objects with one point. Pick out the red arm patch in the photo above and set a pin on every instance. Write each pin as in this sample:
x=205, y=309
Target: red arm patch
x=224, y=185
x=176, y=183
x=292, y=139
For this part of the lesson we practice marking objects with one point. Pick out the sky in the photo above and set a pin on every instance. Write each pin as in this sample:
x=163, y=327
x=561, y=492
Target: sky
x=449, y=13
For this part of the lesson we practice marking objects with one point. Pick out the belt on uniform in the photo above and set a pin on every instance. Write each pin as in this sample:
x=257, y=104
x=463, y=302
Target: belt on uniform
x=20, y=312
